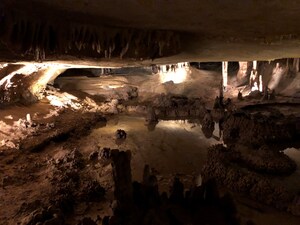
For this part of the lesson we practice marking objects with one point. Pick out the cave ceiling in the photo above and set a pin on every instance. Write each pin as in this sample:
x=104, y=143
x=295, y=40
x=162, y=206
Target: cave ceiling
x=135, y=32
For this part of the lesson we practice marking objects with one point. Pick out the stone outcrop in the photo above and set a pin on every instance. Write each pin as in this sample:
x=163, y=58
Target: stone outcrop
x=122, y=178
x=177, y=107
x=257, y=129
x=65, y=128
x=69, y=188
x=265, y=160
x=148, y=207
x=227, y=167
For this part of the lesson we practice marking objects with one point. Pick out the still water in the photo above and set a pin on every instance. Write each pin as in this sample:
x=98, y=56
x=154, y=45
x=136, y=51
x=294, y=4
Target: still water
x=172, y=147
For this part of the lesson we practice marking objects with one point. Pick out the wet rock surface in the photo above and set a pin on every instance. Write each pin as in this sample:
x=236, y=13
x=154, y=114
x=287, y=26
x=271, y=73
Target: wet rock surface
x=72, y=186
x=266, y=160
x=82, y=182
x=145, y=205
x=228, y=167
x=256, y=130
x=65, y=128
x=121, y=134
x=179, y=107
x=69, y=187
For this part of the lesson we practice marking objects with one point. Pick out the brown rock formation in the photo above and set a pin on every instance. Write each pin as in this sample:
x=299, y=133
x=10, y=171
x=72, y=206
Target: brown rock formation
x=225, y=165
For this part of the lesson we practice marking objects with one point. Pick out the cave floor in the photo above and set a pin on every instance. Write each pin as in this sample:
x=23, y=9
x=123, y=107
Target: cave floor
x=173, y=148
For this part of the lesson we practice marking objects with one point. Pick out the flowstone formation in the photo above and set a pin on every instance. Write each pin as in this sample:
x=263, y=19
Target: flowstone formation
x=248, y=174
x=177, y=107
x=256, y=129
x=251, y=159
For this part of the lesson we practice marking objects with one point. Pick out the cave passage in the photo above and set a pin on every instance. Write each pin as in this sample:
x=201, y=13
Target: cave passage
x=86, y=144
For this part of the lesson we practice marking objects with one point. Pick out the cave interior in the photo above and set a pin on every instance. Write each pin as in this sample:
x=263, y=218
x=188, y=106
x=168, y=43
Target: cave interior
x=149, y=112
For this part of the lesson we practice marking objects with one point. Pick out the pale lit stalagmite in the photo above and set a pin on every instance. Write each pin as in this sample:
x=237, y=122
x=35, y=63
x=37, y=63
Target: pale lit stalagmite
x=260, y=83
x=253, y=81
x=225, y=74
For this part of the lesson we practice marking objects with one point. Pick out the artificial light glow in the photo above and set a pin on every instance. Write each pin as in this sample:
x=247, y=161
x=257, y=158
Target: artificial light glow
x=64, y=100
x=110, y=86
x=3, y=65
x=173, y=124
x=225, y=73
x=178, y=75
x=255, y=87
x=7, y=81
x=25, y=70
x=47, y=75
x=67, y=65
x=115, y=86
x=278, y=72
x=254, y=65
x=260, y=83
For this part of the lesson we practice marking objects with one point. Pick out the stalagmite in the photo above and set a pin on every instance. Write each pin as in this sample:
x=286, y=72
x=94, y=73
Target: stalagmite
x=225, y=74
x=28, y=118
x=164, y=68
x=37, y=54
x=122, y=178
x=260, y=83
x=253, y=80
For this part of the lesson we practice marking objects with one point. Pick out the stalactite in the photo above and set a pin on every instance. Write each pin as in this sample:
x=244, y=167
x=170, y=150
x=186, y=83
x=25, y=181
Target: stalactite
x=98, y=47
x=37, y=53
x=38, y=38
x=45, y=39
x=35, y=35
x=296, y=65
x=93, y=46
x=161, y=47
x=124, y=50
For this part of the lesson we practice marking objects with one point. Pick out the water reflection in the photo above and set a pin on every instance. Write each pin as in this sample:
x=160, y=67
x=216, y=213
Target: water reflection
x=168, y=146
x=151, y=126
x=208, y=129
x=292, y=181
